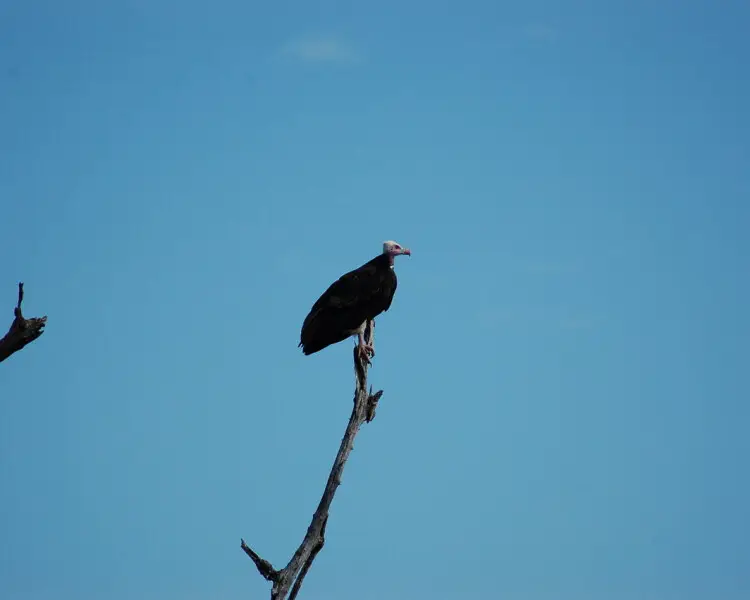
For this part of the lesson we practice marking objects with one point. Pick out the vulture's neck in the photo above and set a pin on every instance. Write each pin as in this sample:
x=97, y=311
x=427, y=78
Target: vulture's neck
x=383, y=260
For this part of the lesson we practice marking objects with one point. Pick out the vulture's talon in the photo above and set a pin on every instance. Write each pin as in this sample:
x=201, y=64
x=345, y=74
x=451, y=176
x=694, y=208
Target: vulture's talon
x=365, y=353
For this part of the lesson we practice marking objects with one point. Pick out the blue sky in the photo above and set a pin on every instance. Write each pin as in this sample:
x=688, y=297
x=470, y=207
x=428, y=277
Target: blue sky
x=564, y=365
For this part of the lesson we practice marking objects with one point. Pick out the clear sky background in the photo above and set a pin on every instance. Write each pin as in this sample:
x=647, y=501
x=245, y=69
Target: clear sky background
x=565, y=363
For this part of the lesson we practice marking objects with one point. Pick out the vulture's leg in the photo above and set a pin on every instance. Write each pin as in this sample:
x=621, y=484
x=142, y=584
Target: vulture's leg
x=364, y=350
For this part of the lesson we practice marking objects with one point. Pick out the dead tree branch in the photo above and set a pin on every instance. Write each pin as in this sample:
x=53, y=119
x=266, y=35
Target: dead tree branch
x=287, y=581
x=22, y=331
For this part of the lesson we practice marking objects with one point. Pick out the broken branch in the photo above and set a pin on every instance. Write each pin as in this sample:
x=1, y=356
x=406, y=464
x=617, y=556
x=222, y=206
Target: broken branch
x=22, y=331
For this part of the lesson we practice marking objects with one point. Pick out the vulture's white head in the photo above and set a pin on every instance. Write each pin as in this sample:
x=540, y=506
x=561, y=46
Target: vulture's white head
x=393, y=249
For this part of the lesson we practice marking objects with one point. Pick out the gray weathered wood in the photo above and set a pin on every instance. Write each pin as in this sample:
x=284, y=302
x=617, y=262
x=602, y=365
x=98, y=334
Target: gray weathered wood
x=22, y=331
x=287, y=581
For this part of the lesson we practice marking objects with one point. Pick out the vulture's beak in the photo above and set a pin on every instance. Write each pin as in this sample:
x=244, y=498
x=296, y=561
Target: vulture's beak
x=406, y=251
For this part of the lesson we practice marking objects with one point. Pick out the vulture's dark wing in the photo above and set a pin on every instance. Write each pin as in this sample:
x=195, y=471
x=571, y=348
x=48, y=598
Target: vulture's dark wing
x=354, y=297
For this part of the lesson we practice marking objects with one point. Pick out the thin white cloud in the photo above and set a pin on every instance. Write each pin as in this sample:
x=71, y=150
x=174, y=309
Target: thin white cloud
x=543, y=267
x=581, y=322
x=541, y=32
x=321, y=50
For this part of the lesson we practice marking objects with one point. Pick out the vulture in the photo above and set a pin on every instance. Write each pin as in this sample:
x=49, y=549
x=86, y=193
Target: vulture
x=354, y=298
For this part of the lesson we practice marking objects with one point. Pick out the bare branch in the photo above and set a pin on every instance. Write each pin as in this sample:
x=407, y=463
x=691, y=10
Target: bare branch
x=264, y=567
x=288, y=581
x=22, y=331
x=372, y=404
x=308, y=563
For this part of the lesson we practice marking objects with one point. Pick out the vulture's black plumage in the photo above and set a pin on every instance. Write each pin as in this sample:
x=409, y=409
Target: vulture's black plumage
x=354, y=298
